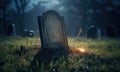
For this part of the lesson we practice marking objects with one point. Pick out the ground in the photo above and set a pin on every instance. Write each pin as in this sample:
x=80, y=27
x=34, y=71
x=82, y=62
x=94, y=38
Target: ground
x=87, y=55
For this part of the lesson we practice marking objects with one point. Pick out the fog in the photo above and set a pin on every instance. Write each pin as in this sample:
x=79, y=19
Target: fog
x=77, y=14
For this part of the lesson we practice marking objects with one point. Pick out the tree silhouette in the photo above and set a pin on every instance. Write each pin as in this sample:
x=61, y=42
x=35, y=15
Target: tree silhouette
x=21, y=6
x=93, y=12
x=3, y=5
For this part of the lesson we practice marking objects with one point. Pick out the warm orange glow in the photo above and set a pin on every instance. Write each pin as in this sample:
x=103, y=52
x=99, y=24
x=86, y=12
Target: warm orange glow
x=81, y=50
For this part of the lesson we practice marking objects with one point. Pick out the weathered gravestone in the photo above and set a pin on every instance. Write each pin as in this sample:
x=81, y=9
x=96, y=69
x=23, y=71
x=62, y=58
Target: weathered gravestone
x=53, y=37
x=93, y=32
x=52, y=31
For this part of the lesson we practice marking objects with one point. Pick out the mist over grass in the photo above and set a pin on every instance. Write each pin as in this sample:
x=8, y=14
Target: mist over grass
x=99, y=55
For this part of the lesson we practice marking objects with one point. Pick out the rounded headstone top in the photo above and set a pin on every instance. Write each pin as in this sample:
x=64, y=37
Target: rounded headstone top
x=51, y=12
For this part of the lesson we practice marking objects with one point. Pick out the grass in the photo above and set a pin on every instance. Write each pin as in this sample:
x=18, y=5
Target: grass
x=104, y=47
x=98, y=56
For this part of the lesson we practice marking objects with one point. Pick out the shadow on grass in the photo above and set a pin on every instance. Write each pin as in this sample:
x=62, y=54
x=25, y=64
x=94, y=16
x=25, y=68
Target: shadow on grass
x=46, y=56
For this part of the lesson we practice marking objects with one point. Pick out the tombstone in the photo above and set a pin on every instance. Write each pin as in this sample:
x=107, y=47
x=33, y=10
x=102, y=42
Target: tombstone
x=99, y=35
x=14, y=31
x=31, y=33
x=28, y=33
x=11, y=30
x=52, y=31
x=110, y=31
x=92, y=32
x=53, y=38
x=25, y=33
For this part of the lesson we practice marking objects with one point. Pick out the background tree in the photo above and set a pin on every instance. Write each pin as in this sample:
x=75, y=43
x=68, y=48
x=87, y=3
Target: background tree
x=21, y=6
x=100, y=13
x=3, y=5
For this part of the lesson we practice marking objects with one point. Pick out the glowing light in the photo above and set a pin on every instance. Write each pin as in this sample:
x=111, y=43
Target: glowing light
x=81, y=50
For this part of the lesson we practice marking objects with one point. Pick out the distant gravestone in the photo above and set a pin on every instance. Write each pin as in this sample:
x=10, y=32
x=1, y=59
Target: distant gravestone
x=52, y=31
x=11, y=30
x=28, y=33
x=14, y=31
x=110, y=31
x=99, y=35
x=92, y=32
